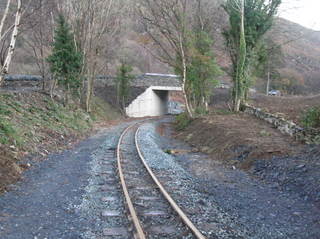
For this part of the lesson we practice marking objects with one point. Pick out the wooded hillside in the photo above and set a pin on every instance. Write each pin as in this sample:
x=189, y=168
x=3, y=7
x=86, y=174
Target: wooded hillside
x=300, y=46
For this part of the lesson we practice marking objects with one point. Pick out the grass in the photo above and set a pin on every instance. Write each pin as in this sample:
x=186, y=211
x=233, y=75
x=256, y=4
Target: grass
x=311, y=117
x=8, y=133
x=29, y=119
x=182, y=121
x=222, y=112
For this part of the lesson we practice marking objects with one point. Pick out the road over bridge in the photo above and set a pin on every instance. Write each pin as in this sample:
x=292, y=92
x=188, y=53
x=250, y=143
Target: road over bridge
x=151, y=95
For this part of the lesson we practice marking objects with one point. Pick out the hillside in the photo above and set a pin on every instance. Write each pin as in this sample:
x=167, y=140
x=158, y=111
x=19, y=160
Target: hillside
x=32, y=125
x=300, y=47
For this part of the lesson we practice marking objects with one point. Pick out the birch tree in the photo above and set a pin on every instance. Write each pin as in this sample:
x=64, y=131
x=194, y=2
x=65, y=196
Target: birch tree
x=172, y=27
x=14, y=34
x=166, y=25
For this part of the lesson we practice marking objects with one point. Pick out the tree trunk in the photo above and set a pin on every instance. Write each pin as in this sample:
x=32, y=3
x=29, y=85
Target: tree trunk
x=237, y=104
x=6, y=65
x=239, y=93
x=89, y=94
x=53, y=86
x=268, y=82
x=4, y=17
x=184, y=79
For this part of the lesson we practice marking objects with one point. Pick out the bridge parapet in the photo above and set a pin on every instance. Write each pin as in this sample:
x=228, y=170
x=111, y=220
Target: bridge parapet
x=147, y=80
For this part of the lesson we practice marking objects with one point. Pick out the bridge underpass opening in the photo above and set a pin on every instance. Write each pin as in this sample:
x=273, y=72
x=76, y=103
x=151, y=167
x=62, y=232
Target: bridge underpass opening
x=155, y=101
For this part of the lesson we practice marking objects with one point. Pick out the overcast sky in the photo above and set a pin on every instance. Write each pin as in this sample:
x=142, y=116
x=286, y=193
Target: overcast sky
x=304, y=12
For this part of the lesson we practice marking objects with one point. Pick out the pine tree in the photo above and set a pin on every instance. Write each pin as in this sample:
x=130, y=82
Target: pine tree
x=65, y=61
x=123, y=84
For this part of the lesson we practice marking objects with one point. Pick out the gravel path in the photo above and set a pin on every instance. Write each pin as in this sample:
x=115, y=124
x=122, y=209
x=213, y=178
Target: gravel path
x=231, y=204
x=60, y=197
x=71, y=194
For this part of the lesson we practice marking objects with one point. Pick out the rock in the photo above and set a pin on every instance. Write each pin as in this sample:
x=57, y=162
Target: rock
x=205, y=149
x=297, y=214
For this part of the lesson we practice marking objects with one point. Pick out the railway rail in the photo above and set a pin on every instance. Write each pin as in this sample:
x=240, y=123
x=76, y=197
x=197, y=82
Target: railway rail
x=152, y=211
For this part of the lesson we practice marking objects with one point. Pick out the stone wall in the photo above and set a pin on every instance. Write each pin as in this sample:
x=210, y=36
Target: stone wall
x=285, y=126
x=19, y=82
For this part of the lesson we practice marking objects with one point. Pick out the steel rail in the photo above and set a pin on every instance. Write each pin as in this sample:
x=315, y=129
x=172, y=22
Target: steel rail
x=134, y=217
x=173, y=204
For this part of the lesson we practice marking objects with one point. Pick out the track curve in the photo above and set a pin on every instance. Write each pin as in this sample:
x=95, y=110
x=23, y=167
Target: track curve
x=139, y=228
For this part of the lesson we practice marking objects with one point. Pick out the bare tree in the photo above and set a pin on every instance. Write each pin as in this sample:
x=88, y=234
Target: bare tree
x=16, y=26
x=166, y=24
x=40, y=28
x=93, y=22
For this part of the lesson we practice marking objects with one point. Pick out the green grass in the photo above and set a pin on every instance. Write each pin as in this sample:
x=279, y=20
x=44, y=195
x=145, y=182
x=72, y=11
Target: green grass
x=182, y=121
x=222, y=112
x=311, y=118
x=30, y=119
x=8, y=133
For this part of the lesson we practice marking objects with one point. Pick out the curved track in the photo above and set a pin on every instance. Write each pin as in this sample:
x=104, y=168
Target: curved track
x=155, y=216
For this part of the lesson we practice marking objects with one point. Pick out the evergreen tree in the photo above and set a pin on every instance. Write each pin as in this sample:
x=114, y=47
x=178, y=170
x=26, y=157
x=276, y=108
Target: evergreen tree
x=249, y=21
x=202, y=71
x=123, y=84
x=65, y=61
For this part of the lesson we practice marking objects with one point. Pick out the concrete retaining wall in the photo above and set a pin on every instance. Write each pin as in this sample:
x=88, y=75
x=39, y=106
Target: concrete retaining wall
x=152, y=102
x=285, y=126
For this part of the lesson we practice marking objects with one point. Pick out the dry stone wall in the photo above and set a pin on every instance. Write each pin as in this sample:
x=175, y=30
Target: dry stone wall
x=15, y=82
x=285, y=126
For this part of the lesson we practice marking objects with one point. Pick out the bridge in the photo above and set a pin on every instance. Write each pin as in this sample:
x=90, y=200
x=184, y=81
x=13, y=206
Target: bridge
x=150, y=94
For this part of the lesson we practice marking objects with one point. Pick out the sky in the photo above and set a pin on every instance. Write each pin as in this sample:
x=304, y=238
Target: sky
x=304, y=12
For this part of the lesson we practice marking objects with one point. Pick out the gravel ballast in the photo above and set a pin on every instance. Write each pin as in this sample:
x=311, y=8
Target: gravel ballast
x=62, y=197
x=230, y=203
x=76, y=194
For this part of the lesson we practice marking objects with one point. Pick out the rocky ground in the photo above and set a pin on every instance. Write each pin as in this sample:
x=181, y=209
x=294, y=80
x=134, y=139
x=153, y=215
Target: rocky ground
x=58, y=197
x=277, y=199
x=33, y=125
x=68, y=195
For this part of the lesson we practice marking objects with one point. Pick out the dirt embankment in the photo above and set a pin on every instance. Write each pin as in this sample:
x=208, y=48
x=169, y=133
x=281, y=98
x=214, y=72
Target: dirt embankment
x=238, y=139
x=290, y=107
x=32, y=125
x=242, y=141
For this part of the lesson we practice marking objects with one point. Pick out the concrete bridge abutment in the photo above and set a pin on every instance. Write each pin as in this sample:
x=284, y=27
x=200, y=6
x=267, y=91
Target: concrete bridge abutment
x=153, y=102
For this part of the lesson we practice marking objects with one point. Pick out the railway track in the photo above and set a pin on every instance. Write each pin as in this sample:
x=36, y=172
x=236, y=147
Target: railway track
x=152, y=211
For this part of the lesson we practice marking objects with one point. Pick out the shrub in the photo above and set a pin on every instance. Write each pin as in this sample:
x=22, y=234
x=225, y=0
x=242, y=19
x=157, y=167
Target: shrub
x=182, y=121
x=311, y=118
x=201, y=111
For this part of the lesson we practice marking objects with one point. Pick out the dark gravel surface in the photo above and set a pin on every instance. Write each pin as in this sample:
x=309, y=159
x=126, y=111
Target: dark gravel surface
x=299, y=174
x=61, y=197
x=70, y=194
x=233, y=203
